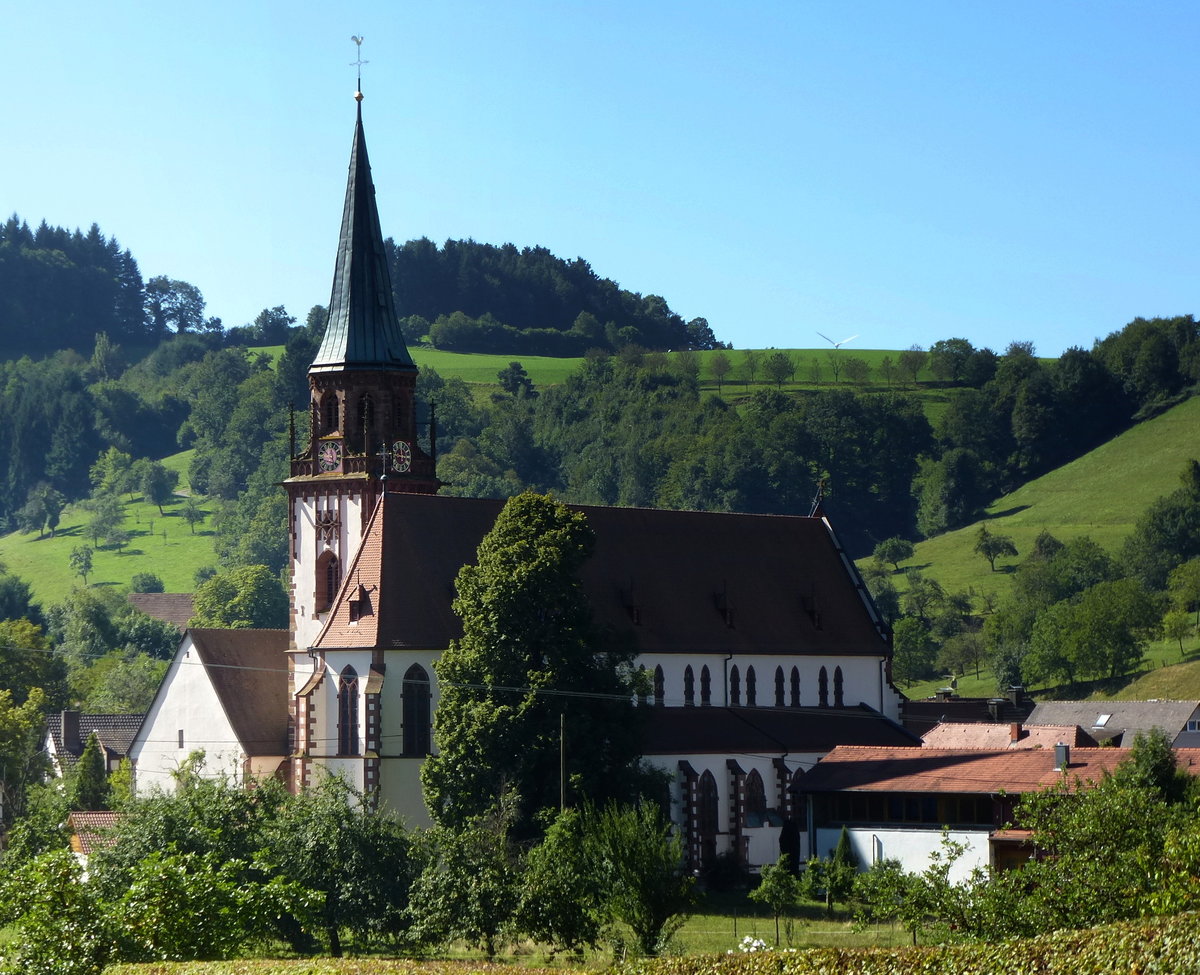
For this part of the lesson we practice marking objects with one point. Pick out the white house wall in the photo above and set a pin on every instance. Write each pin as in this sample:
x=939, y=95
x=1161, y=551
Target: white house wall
x=189, y=704
x=912, y=847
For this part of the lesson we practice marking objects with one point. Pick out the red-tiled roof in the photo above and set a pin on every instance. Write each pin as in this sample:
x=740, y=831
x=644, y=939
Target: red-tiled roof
x=172, y=607
x=852, y=769
x=89, y=830
x=248, y=671
x=663, y=579
x=967, y=734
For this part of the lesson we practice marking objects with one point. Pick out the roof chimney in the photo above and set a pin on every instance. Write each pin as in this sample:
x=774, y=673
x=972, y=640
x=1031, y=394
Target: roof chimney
x=1014, y=731
x=1062, y=756
x=70, y=732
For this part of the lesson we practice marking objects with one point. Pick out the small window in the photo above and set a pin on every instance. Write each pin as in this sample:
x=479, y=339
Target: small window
x=180, y=737
x=1193, y=726
x=751, y=688
x=689, y=687
x=795, y=687
x=838, y=698
x=778, y=687
x=735, y=686
x=705, y=686
x=823, y=688
x=1102, y=720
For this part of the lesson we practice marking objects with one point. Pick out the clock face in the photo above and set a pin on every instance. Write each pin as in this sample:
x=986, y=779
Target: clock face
x=329, y=457
x=401, y=456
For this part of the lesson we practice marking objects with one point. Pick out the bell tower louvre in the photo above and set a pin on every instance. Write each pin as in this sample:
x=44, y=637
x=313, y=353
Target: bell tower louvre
x=363, y=426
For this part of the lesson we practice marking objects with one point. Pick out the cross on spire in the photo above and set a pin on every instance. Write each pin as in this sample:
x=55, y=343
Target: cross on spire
x=357, y=38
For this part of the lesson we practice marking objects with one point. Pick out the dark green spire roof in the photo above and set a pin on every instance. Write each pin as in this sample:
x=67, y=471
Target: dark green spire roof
x=363, y=331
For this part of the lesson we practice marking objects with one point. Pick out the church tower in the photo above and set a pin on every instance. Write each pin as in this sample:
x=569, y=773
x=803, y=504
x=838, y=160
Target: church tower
x=363, y=430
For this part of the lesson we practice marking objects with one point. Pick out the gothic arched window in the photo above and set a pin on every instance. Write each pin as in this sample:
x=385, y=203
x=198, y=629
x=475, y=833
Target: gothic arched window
x=689, y=687
x=660, y=694
x=795, y=687
x=779, y=687
x=348, y=712
x=329, y=578
x=751, y=688
x=364, y=433
x=823, y=688
x=756, y=799
x=329, y=413
x=705, y=686
x=735, y=685
x=838, y=700
x=414, y=692
x=707, y=805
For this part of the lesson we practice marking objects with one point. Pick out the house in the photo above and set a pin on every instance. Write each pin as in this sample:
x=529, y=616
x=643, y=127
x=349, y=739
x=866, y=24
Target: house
x=974, y=734
x=90, y=831
x=67, y=732
x=1120, y=722
x=919, y=716
x=896, y=802
x=225, y=692
x=762, y=645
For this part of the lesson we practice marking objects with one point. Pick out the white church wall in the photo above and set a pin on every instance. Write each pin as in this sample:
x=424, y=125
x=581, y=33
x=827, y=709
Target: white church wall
x=400, y=790
x=185, y=716
x=307, y=621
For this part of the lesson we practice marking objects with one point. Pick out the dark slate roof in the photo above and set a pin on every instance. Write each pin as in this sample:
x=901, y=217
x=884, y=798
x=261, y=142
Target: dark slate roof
x=657, y=578
x=115, y=731
x=1120, y=721
x=172, y=607
x=248, y=671
x=757, y=731
x=920, y=716
x=362, y=331
x=980, y=771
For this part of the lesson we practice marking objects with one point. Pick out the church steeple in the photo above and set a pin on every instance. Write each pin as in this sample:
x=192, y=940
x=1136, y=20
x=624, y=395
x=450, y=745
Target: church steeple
x=363, y=331
x=365, y=437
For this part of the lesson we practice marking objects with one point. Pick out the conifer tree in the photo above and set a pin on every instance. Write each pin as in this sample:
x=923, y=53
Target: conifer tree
x=89, y=789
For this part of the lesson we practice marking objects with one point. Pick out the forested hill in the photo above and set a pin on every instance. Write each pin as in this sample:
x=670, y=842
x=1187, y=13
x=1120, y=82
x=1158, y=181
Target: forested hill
x=472, y=297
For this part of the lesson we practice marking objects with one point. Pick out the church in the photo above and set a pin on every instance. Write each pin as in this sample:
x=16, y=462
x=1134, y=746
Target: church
x=761, y=644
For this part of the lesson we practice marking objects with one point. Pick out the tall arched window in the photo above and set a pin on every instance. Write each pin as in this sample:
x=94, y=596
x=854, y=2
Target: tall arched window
x=756, y=799
x=660, y=692
x=779, y=687
x=706, y=814
x=705, y=686
x=362, y=437
x=823, y=688
x=414, y=692
x=795, y=687
x=348, y=712
x=329, y=413
x=329, y=578
x=735, y=685
x=689, y=687
x=838, y=699
x=751, y=688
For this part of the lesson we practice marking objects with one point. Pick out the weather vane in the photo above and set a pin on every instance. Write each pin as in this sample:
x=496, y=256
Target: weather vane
x=357, y=38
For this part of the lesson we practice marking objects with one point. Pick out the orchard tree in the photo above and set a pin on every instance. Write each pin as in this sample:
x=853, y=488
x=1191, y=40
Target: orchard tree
x=913, y=650
x=779, y=889
x=158, y=483
x=81, y=562
x=992, y=547
x=894, y=550
x=719, y=367
x=911, y=361
x=529, y=663
x=778, y=367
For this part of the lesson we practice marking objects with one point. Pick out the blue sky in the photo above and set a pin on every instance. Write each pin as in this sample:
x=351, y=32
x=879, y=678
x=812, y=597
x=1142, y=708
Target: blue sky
x=906, y=172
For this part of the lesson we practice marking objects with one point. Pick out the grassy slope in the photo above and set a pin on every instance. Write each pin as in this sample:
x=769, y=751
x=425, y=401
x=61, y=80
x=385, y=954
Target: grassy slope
x=1101, y=495
x=43, y=562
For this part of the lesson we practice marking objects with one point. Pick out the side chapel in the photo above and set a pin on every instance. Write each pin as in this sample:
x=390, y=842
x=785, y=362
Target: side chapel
x=762, y=645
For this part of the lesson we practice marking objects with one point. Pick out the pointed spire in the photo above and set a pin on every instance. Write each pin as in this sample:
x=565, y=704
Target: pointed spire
x=363, y=331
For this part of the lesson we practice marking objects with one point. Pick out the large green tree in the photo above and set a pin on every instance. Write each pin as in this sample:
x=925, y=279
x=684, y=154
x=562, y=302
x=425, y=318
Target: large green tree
x=530, y=679
x=245, y=597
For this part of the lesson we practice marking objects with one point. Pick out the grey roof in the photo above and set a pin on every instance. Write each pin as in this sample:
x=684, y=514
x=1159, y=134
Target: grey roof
x=362, y=331
x=115, y=731
x=1119, y=722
